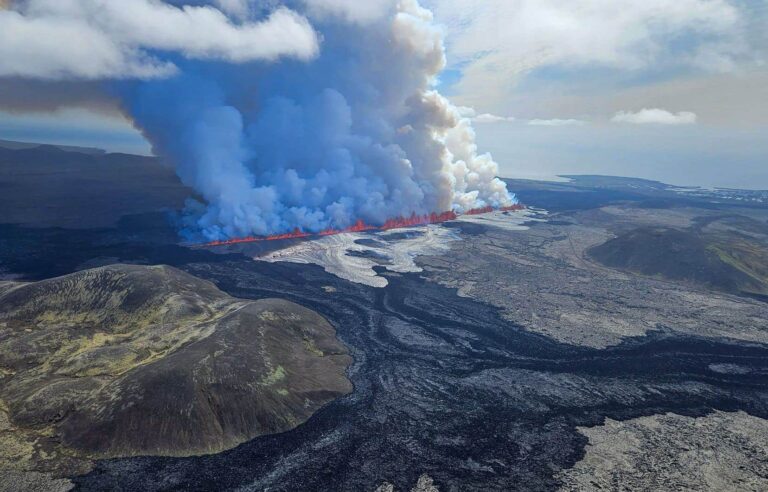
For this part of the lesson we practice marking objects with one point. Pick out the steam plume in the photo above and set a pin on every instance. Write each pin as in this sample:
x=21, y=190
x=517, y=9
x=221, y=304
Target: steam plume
x=304, y=136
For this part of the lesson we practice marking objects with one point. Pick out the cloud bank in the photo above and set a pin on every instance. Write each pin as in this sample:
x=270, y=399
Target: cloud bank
x=496, y=42
x=93, y=39
x=655, y=117
x=310, y=114
x=492, y=118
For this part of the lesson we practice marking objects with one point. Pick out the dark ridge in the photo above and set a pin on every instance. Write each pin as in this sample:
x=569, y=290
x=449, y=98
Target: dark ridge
x=45, y=186
x=13, y=145
x=679, y=255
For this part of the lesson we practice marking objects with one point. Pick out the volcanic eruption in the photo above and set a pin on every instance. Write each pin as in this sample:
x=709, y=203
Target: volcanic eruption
x=357, y=133
x=288, y=116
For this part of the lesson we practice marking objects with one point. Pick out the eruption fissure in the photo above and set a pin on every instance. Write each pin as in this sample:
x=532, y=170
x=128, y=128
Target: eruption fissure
x=360, y=226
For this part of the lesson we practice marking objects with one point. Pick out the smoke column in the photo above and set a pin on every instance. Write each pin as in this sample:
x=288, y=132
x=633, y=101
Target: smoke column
x=357, y=131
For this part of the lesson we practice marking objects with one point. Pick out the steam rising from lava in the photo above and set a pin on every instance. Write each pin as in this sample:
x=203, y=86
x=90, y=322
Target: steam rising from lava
x=356, y=133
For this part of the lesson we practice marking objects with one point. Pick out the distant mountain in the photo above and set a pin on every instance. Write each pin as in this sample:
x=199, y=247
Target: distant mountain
x=13, y=145
x=46, y=186
x=585, y=192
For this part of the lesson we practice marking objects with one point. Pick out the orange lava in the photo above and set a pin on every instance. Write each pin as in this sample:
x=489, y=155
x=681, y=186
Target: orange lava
x=360, y=226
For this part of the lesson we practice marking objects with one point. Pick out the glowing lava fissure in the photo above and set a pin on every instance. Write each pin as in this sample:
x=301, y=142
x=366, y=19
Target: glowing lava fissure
x=360, y=226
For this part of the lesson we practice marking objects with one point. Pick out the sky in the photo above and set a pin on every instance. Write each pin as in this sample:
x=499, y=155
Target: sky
x=672, y=90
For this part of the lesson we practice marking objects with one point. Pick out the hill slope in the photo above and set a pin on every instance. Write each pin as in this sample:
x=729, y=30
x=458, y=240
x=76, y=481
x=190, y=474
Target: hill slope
x=728, y=263
x=46, y=186
x=131, y=360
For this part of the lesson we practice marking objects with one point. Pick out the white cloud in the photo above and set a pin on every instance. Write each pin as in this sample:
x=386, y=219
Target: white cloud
x=237, y=8
x=466, y=111
x=471, y=114
x=352, y=10
x=494, y=42
x=655, y=117
x=491, y=118
x=557, y=122
x=108, y=39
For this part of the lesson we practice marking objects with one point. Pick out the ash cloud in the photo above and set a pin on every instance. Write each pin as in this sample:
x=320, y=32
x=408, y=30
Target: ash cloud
x=352, y=130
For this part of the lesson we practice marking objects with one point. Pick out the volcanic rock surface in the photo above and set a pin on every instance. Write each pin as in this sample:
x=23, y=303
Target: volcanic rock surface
x=721, y=451
x=132, y=360
x=355, y=256
x=491, y=368
x=546, y=279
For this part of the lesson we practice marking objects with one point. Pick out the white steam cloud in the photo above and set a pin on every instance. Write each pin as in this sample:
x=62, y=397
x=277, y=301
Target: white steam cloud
x=313, y=115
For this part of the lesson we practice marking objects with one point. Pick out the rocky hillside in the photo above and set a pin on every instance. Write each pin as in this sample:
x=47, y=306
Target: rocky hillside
x=132, y=360
x=732, y=262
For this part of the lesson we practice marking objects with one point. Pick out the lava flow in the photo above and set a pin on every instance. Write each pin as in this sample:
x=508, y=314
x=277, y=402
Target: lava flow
x=360, y=226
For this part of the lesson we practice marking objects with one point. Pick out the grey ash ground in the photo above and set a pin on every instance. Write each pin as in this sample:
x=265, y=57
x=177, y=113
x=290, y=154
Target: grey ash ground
x=512, y=361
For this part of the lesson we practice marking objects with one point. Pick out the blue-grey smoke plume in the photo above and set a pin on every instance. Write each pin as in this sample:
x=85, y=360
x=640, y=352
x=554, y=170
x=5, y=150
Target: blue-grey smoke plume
x=295, y=114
